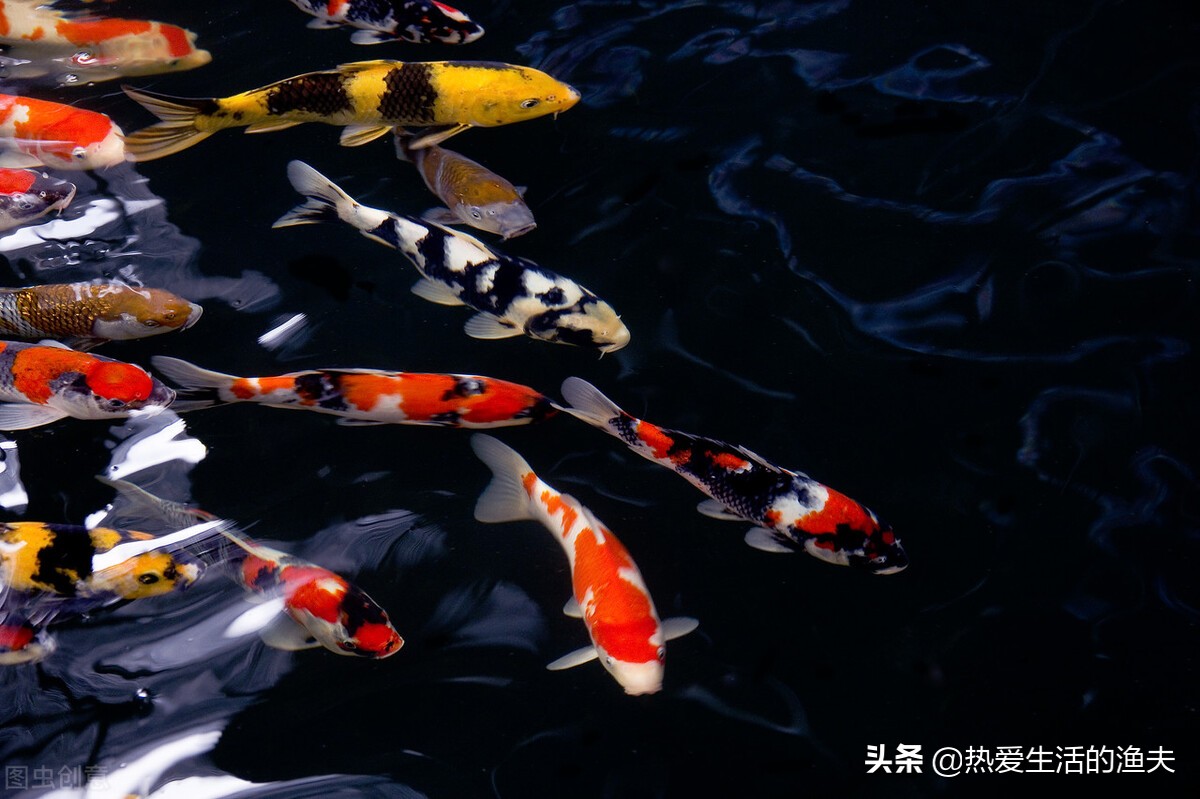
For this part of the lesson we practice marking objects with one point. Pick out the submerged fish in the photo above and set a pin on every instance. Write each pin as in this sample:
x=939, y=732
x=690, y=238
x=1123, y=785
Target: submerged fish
x=163, y=511
x=20, y=640
x=26, y=195
x=323, y=609
x=474, y=195
x=39, y=40
x=84, y=315
x=512, y=295
x=369, y=396
x=417, y=21
x=370, y=98
x=41, y=133
x=788, y=508
x=609, y=593
x=40, y=384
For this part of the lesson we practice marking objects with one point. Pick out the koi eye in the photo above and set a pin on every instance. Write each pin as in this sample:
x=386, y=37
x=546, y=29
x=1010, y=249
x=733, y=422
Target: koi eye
x=662, y=653
x=608, y=659
x=150, y=323
x=79, y=153
x=349, y=646
x=115, y=403
x=147, y=579
x=475, y=214
x=530, y=103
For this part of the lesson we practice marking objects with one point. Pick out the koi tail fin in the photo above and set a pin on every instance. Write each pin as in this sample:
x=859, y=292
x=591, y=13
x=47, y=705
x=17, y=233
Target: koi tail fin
x=585, y=402
x=505, y=499
x=201, y=388
x=324, y=201
x=177, y=130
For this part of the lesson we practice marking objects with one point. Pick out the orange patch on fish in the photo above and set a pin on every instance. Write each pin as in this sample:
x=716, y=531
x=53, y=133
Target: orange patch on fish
x=621, y=618
x=98, y=30
x=308, y=590
x=60, y=128
x=656, y=438
x=16, y=181
x=15, y=637
x=177, y=40
x=772, y=517
x=727, y=460
x=34, y=368
x=37, y=33
x=119, y=381
x=336, y=6
x=838, y=509
x=528, y=481
x=4, y=28
x=422, y=392
x=377, y=638
x=500, y=400
x=553, y=504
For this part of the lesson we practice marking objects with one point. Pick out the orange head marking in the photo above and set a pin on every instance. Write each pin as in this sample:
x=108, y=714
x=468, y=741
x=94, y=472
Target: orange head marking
x=16, y=181
x=119, y=381
x=377, y=640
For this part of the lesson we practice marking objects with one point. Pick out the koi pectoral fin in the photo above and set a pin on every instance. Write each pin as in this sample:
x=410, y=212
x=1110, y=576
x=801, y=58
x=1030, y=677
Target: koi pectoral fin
x=678, y=627
x=572, y=659
x=16, y=416
x=766, y=541
x=436, y=292
x=486, y=327
x=436, y=136
x=717, y=510
x=283, y=632
x=572, y=609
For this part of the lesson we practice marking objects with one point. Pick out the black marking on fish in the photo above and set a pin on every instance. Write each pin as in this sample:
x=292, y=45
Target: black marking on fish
x=554, y=296
x=321, y=93
x=323, y=389
x=357, y=609
x=70, y=550
x=409, y=94
x=499, y=66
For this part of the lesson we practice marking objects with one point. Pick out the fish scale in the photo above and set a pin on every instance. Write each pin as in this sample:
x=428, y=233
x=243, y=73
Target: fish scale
x=410, y=94
x=319, y=93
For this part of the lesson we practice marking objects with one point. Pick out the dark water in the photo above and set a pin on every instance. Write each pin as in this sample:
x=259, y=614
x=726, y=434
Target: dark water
x=942, y=257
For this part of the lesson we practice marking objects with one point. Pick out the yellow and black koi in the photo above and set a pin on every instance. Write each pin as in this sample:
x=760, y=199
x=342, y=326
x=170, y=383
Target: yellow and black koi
x=369, y=98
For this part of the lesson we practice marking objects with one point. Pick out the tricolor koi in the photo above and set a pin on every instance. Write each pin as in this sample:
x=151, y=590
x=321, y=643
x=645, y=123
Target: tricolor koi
x=42, y=383
x=21, y=641
x=367, y=396
x=39, y=40
x=323, y=609
x=609, y=593
x=513, y=296
x=26, y=195
x=368, y=98
x=84, y=315
x=474, y=195
x=416, y=21
x=789, y=509
x=41, y=133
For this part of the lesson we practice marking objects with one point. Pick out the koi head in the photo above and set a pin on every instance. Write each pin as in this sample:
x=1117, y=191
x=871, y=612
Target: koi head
x=505, y=219
x=340, y=616
x=499, y=94
x=636, y=678
x=137, y=313
x=112, y=388
x=845, y=533
x=148, y=574
x=26, y=195
x=590, y=322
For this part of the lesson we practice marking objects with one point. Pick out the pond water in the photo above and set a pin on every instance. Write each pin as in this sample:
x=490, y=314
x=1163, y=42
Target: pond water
x=941, y=257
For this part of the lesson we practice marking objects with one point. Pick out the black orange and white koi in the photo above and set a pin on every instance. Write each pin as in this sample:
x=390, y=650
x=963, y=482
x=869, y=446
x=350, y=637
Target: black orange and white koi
x=21, y=641
x=789, y=509
x=84, y=315
x=378, y=21
x=368, y=98
x=474, y=195
x=26, y=195
x=323, y=609
x=42, y=383
x=38, y=40
x=609, y=593
x=368, y=396
x=42, y=133
x=512, y=296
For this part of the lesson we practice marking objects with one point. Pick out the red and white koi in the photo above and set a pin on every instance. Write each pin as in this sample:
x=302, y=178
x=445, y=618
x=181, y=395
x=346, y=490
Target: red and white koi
x=416, y=21
x=39, y=40
x=788, y=508
x=323, y=608
x=369, y=396
x=26, y=195
x=609, y=592
x=84, y=315
x=41, y=133
x=42, y=383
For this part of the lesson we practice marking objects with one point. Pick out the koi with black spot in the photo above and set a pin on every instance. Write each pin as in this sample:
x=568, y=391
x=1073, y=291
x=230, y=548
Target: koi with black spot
x=26, y=195
x=378, y=21
x=789, y=509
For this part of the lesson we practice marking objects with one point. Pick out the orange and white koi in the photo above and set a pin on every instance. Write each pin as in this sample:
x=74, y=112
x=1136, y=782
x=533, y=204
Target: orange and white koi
x=416, y=21
x=323, y=608
x=42, y=383
x=41, y=133
x=39, y=40
x=84, y=315
x=368, y=396
x=26, y=195
x=21, y=641
x=609, y=593
x=789, y=509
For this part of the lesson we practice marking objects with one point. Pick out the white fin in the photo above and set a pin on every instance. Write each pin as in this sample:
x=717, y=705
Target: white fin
x=763, y=539
x=437, y=136
x=15, y=159
x=443, y=216
x=487, y=327
x=322, y=25
x=572, y=609
x=256, y=618
x=189, y=375
x=50, y=342
x=346, y=421
x=17, y=416
x=572, y=659
x=521, y=190
x=271, y=124
x=284, y=632
x=358, y=135
x=323, y=199
x=717, y=510
x=504, y=500
x=435, y=291
x=371, y=37
x=587, y=403
x=678, y=627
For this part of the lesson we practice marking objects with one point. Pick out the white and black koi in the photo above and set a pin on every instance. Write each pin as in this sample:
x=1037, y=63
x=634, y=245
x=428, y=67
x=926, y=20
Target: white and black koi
x=416, y=21
x=513, y=296
x=788, y=508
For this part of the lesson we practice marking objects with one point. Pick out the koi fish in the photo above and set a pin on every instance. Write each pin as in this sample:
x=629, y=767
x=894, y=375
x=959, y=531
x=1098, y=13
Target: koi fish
x=85, y=315
x=788, y=508
x=326, y=610
x=66, y=560
x=512, y=295
x=415, y=21
x=21, y=641
x=369, y=98
x=609, y=593
x=369, y=396
x=39, y=40
x=40, y=384
x=473, y=194
x=42, y=133
x=149, y=506
x=26, y=195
